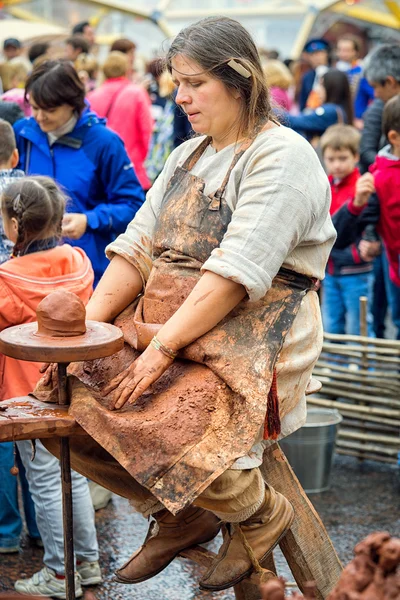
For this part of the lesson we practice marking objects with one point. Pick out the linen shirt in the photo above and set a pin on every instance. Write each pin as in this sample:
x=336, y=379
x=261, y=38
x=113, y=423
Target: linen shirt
x=280, y=196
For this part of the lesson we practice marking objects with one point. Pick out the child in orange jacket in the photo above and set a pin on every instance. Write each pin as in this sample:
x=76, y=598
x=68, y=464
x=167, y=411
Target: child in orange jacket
x=32, y=210
x=10, y=515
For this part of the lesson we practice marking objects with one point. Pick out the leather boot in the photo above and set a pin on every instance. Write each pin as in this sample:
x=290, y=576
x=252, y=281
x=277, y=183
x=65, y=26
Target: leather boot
x=166, y=538
x=262, y=531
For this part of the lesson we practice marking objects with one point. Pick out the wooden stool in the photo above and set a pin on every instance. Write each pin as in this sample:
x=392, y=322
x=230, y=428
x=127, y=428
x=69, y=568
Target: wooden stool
x=38, y=343
x=307, y=547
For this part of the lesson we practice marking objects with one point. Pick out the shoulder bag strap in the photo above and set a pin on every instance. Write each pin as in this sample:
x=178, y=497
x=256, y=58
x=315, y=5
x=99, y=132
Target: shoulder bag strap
x=113, y=100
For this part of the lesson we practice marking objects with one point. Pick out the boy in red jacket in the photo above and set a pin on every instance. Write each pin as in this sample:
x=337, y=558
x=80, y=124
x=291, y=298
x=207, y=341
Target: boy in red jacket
x=347, y=276
x=381, y=208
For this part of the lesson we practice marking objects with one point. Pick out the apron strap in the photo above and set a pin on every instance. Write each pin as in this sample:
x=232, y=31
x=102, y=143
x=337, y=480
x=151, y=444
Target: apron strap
x=245, y=145
x=196, y=154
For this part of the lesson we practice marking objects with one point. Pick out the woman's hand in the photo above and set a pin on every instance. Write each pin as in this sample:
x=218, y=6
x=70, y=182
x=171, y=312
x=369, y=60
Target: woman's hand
x=74, y=225
x=140, y=375
x=50, y=371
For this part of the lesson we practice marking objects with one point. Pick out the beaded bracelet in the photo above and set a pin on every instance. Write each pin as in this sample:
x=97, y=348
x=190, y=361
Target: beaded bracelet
x=155, y=342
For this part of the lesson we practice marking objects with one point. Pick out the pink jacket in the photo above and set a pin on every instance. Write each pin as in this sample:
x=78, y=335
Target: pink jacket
x=17, y=95
x=281, y=98
x=126, y=107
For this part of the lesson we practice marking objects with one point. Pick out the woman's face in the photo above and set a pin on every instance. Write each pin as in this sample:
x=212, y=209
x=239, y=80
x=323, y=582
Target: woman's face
x=211, y=107
x=51, y=118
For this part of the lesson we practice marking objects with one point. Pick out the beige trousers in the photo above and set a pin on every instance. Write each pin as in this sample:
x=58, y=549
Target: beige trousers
x=234, y=496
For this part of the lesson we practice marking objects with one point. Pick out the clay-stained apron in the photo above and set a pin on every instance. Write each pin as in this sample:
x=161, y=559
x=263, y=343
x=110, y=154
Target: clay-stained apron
x=207, y=409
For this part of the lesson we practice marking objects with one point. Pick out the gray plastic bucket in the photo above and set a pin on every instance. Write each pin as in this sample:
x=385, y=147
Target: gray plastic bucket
x=310, y=449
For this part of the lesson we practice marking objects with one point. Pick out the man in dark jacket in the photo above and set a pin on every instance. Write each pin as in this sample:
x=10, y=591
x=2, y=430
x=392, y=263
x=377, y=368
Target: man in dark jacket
x=382, y=69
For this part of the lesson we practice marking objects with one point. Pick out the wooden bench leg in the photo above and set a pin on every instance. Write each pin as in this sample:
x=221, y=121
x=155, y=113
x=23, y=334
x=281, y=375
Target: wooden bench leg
x=307, y=548
x=248, y=589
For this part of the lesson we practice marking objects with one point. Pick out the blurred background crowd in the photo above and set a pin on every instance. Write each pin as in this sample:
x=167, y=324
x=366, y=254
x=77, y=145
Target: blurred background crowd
x=326, y=85
x=97, y=114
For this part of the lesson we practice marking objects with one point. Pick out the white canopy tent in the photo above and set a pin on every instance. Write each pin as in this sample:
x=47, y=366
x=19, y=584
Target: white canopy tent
x=28, y=31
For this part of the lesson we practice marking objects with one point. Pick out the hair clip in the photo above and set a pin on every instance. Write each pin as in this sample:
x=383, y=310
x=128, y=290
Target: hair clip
x=234, y=64
x=17, y=203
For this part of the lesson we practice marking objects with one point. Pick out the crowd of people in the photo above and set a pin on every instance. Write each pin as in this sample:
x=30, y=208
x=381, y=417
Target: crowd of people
x=81, y=144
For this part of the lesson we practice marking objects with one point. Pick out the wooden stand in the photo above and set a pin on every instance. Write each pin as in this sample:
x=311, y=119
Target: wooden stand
x=22, y=342
x=307, y=547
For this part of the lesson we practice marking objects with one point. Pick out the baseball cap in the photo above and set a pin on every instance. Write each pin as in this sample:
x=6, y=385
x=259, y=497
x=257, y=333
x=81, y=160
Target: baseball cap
x=316, y=45
x=11, y=42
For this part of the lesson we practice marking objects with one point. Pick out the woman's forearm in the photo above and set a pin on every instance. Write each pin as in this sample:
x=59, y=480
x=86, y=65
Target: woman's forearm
x=119, y=286
x=210, y=301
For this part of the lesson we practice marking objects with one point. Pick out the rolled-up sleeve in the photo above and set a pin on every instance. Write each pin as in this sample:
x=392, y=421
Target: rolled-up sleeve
x=136, y=244
x=272, y=217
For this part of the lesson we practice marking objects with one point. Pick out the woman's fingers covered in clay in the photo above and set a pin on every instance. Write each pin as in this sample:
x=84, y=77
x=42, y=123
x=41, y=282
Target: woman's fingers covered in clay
x=50, y=373
x=128, y=389
x=114, y=383
x=140, y=376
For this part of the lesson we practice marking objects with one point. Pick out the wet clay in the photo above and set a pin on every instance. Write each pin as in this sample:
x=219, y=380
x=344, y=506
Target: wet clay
x=61, y=314
x=61, y=333
x=373, y=574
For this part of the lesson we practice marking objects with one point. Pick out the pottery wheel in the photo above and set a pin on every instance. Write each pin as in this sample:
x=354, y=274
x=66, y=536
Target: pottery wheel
x=23, y=343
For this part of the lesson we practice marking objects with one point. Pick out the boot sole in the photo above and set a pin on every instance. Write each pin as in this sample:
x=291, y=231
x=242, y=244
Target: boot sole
x=219, y=588
x=119, y=579
x=91, y=581
x=60, y=596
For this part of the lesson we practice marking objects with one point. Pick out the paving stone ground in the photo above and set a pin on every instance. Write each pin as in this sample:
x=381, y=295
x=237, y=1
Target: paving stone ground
x=364, y=497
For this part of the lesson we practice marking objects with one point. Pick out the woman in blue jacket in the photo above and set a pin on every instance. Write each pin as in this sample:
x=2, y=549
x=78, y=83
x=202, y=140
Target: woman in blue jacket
x=336, y=107
x=65, y=140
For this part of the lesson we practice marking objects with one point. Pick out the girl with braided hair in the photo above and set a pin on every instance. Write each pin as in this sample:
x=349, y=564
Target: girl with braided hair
x=32, y=210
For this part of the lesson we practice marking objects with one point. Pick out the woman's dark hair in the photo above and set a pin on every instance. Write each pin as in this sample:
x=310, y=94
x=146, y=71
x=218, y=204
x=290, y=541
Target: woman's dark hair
x=212, y=43
x=54, y=83
x=38, y=205
x=338, y=92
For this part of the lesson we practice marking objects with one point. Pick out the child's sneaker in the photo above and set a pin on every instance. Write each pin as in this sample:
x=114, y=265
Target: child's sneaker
x=100, y=495
x=45, y=583
x=89, y=572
